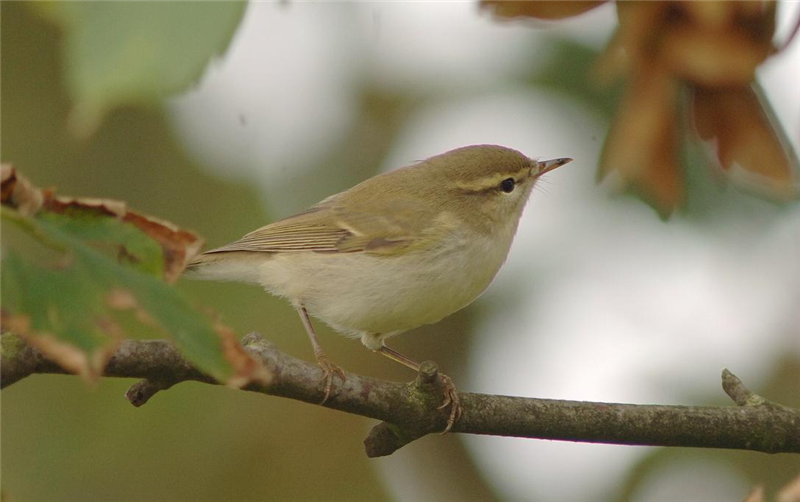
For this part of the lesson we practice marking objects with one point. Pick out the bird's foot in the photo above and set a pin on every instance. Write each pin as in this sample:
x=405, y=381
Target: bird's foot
x=328, y=371
x=451, y=400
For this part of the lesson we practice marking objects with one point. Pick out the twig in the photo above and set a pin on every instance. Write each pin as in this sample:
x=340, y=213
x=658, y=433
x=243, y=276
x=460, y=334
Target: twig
x=408, y=411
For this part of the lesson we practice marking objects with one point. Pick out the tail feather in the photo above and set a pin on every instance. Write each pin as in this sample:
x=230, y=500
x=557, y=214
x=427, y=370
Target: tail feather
x=230, y=266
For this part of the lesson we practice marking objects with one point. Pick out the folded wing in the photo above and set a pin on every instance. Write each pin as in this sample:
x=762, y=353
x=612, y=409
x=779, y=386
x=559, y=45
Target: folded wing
x=334, y=228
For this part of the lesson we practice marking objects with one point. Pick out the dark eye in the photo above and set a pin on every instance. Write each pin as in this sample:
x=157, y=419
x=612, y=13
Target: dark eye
x=507, y=185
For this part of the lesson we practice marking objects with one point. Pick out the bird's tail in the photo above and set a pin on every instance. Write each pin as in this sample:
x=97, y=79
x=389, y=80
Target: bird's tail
x=225, y=266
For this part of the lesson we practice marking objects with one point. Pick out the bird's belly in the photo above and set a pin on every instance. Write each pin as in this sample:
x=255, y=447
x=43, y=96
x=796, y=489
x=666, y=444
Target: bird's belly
x=357, y=293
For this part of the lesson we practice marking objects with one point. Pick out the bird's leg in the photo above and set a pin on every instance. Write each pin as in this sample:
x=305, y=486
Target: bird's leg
x=450, y=393
x=328, y=368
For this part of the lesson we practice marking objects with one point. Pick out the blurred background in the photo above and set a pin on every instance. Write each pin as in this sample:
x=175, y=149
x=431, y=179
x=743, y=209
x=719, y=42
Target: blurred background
x=601, y=299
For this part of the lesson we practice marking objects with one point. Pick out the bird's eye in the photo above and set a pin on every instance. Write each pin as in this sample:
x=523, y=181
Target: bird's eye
x=507, y=185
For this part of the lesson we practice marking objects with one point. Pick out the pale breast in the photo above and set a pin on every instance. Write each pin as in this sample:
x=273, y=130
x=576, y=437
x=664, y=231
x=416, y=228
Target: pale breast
x=358, y=292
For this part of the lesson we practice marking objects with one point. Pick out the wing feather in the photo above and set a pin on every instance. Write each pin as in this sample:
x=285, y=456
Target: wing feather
x=332, y=228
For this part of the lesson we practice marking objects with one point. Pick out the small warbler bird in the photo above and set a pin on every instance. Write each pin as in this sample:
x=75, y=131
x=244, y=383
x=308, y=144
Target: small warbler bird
x=399, y=250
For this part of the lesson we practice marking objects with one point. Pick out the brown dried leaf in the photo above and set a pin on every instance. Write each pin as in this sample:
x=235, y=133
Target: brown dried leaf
x=548, y=10
x=758, y=18
x=755, y=8
x=713, y=58
x=711, y=14
x=641, y=145
x=640, y=25
x=179, y=245
x=108, y=207
x=8, y=177
x=245, y=368
x=710, y=43
x=18, y=192
x=734, y=119
x=719, y=43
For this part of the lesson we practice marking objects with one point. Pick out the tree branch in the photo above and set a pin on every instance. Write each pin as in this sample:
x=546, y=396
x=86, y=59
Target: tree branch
x=408, y=411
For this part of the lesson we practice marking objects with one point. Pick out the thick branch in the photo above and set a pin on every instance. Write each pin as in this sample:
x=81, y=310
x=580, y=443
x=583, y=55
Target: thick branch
x=409, y=410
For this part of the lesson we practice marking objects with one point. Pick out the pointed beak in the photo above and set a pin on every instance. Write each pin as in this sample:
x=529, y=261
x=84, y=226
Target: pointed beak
x=545, y=166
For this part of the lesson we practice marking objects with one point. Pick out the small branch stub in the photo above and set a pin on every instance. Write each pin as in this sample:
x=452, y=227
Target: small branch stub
x=141, y=392
x=740, y=394
x=428, y=374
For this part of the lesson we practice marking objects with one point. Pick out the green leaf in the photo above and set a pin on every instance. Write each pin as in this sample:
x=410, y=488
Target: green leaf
x=120, y=240
x=119, y=53
x=71, y=305
x=109, y=261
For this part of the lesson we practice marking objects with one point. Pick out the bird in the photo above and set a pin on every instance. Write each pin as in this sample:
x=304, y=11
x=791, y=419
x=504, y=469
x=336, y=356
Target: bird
x=399, y=250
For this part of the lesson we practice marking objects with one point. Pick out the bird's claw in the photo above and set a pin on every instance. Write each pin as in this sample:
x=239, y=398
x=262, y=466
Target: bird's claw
x=328, y=371
x=451, y=400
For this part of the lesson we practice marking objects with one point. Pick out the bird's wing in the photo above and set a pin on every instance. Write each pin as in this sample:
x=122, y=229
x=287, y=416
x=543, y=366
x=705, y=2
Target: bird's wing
x=334, y=228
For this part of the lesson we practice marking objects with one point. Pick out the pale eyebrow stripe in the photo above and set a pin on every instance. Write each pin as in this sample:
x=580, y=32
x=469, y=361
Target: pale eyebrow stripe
x=490, y=181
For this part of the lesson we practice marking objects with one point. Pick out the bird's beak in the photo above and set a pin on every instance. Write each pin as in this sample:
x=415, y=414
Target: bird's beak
x=545, y=166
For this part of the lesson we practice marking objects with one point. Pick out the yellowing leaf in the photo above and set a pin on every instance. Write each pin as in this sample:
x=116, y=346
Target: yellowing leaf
x=165, y=253
x=110, y=261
